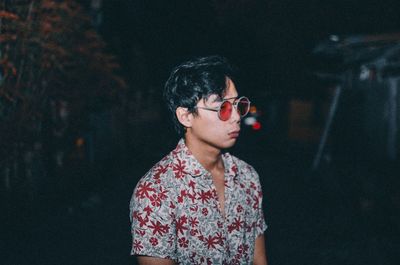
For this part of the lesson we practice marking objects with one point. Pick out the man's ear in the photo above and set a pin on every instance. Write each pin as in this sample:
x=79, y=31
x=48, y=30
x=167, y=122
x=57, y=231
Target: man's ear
x=184, y=117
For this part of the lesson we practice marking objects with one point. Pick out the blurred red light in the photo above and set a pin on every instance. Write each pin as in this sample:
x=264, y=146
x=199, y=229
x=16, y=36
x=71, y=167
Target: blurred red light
x=256, y=126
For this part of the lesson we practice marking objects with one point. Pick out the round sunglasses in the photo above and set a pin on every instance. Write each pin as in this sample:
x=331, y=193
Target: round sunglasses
x=242, y=105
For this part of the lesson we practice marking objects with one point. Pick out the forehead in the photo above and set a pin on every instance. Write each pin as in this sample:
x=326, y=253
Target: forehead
x=230, y=92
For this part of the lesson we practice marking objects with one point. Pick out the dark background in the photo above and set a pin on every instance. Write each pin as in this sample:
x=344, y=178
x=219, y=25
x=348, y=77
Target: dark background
x=345, y=212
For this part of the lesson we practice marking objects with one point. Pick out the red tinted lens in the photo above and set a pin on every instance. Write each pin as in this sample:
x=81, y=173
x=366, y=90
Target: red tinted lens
x=225, y=111
x=243, y=106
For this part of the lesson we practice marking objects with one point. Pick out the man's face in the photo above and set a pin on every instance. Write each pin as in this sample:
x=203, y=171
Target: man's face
x=208, y=129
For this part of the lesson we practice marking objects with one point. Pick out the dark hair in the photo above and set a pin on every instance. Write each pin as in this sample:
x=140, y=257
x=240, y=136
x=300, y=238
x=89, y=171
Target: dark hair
x=194, y=80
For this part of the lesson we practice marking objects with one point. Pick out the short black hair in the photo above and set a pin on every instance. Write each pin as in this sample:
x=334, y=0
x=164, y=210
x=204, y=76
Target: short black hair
x=194, y=80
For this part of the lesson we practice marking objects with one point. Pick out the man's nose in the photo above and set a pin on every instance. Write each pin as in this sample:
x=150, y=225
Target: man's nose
x=235, y=117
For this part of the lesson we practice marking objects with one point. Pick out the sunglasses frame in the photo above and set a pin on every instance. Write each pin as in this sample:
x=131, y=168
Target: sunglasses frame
x=234, y=104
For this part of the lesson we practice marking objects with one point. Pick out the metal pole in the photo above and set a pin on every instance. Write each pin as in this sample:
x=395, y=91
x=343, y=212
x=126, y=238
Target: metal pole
x=392, y=119
x=328, y=124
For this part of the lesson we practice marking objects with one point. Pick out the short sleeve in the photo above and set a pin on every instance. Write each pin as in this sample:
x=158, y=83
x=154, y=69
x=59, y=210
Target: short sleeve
x=152, y=220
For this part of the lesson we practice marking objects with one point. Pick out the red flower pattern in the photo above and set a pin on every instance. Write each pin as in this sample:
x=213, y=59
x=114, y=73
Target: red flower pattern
x=148, y=210
x=211, y=241
x=204, y=211
x=193, y=221
x=144, y=189
x=183, y=242
x=179, y=168
x=174, y=213
x=205, y=196
x=137, y=245
x=180, y=225
x=193, y=232
x=142, y=221
x=158, y=228
x=153, y=241
x=155, y=200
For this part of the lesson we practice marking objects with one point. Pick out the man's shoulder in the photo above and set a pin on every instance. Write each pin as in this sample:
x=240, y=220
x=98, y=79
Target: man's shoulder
x=158, y=180
x=242, y=165
x=161, y=169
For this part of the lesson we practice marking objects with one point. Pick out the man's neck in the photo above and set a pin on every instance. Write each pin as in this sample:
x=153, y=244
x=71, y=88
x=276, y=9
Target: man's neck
x=207, y=155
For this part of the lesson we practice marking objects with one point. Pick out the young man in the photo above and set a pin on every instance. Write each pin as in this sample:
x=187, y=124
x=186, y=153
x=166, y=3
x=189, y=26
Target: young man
x=199, y=204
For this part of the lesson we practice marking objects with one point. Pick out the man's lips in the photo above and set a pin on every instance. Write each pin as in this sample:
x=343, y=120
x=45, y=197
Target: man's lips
x=234, y=134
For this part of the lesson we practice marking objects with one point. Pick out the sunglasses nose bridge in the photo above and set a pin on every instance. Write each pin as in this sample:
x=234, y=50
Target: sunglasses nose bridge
x=235, y=111
x=235, y=106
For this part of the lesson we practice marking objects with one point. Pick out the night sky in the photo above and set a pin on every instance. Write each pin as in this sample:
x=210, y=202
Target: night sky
x=271, y=41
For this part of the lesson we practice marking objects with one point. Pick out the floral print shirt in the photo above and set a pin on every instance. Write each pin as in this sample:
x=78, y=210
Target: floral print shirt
x=175, y=212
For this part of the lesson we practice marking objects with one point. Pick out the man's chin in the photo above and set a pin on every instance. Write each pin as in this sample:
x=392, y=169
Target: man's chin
x=230, y=143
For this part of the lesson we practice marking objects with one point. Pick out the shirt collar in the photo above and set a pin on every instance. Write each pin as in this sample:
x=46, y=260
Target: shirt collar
x=193, y=166
x=231, y=168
